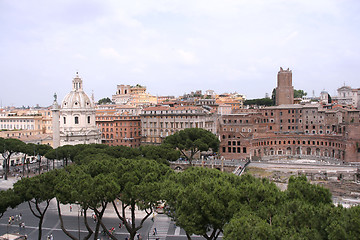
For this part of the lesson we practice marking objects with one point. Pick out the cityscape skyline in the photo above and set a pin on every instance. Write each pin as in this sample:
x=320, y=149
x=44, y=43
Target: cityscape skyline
x=175, y=47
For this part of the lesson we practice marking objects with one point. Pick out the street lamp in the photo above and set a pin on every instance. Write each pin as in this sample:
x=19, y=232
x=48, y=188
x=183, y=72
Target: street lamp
x=79, y=209
x=5, y=163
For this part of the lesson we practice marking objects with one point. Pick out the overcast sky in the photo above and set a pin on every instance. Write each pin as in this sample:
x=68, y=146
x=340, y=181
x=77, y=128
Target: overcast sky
x=175, y=46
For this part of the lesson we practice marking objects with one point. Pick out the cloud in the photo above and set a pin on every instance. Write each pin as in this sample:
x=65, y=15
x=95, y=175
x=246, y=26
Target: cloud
x=187, y=57
x=290, y=37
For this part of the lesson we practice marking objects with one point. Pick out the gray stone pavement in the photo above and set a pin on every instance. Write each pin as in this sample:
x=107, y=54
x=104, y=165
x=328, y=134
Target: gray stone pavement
x=6, y=184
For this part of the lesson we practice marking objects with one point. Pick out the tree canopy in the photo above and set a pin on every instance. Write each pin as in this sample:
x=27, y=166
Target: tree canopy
x=202, y=201
x=193, y=140
x=299, y=93
x=259, y=102
x=106, y=100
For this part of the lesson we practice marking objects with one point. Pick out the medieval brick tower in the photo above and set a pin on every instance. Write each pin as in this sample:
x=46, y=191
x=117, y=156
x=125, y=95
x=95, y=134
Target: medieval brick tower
x=284, y=90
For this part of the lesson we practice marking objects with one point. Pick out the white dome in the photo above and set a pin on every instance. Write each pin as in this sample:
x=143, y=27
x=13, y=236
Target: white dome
x=77, y=98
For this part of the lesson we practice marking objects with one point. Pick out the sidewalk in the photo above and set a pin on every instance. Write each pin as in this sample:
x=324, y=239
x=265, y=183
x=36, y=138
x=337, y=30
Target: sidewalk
x=6, y=184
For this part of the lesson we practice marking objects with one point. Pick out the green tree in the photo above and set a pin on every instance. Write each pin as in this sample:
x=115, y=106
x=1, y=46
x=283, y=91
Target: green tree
x=259, y=102
x=299, y=93
x=193, y=140
x=27, y=150
x=90, y=185
x=140, y=184
x=123, y=152
x=300, y=188
x=248, y=225
x=201, y=200
x=161, y=153
x=343, y=223
x=273, y=96
x=40, y=150
x=8, y=199
x=8, y=147
x=104, y=101
x=38, y=192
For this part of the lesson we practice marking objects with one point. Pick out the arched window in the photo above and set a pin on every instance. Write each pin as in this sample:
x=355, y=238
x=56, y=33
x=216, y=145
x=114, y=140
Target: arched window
x=288, y=151
x=308, y=151
x=76, y=120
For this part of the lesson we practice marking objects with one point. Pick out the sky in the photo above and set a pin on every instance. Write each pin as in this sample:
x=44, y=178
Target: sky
x=175, y=46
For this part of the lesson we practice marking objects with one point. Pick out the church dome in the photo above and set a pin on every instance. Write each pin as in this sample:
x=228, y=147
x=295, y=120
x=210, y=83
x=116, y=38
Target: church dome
x=77, y=98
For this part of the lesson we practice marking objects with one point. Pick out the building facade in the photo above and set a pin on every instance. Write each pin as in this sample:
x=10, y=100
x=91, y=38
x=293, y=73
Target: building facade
x=74, y=122
x=119, y=125
x=162, y=121
x=135, y=95
x=348, y=96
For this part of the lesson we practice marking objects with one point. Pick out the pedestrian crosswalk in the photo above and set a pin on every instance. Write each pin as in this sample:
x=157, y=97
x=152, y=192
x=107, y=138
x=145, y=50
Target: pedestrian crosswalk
x=160, y=228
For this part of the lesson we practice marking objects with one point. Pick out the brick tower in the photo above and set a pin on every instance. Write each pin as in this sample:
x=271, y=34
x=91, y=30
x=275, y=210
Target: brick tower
x=284, y=90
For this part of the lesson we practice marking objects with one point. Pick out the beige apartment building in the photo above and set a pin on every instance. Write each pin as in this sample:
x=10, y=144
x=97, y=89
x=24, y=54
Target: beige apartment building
x=161, y=121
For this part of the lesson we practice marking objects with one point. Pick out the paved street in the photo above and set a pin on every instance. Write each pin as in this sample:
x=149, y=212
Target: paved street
x=166, y=229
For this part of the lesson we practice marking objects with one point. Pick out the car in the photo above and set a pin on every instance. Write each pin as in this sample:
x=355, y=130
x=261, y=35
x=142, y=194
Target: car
x=13, y=236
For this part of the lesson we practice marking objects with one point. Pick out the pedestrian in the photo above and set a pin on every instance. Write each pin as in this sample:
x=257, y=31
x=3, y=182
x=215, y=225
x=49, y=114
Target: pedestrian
x=70, y=208
x=20, y=216
x=51, y=236
x=119, y=225
x=154, y=231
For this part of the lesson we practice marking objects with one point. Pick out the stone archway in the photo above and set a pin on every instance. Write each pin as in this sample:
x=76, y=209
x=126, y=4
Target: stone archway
x=308, y=151
x=288, y=151
x=272, y=152
x=326, y=153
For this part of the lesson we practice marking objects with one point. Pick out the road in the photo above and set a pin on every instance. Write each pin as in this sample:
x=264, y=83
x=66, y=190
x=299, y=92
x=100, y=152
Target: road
x=166, y=230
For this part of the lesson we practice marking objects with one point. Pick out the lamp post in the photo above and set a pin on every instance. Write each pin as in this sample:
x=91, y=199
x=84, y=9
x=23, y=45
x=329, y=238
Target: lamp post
x=5, y=163
x=79, y=209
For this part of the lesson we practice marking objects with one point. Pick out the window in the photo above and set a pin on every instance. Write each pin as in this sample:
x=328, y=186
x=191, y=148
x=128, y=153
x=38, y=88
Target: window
x=88, y=118
x=64, y=120
x=76, y=120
